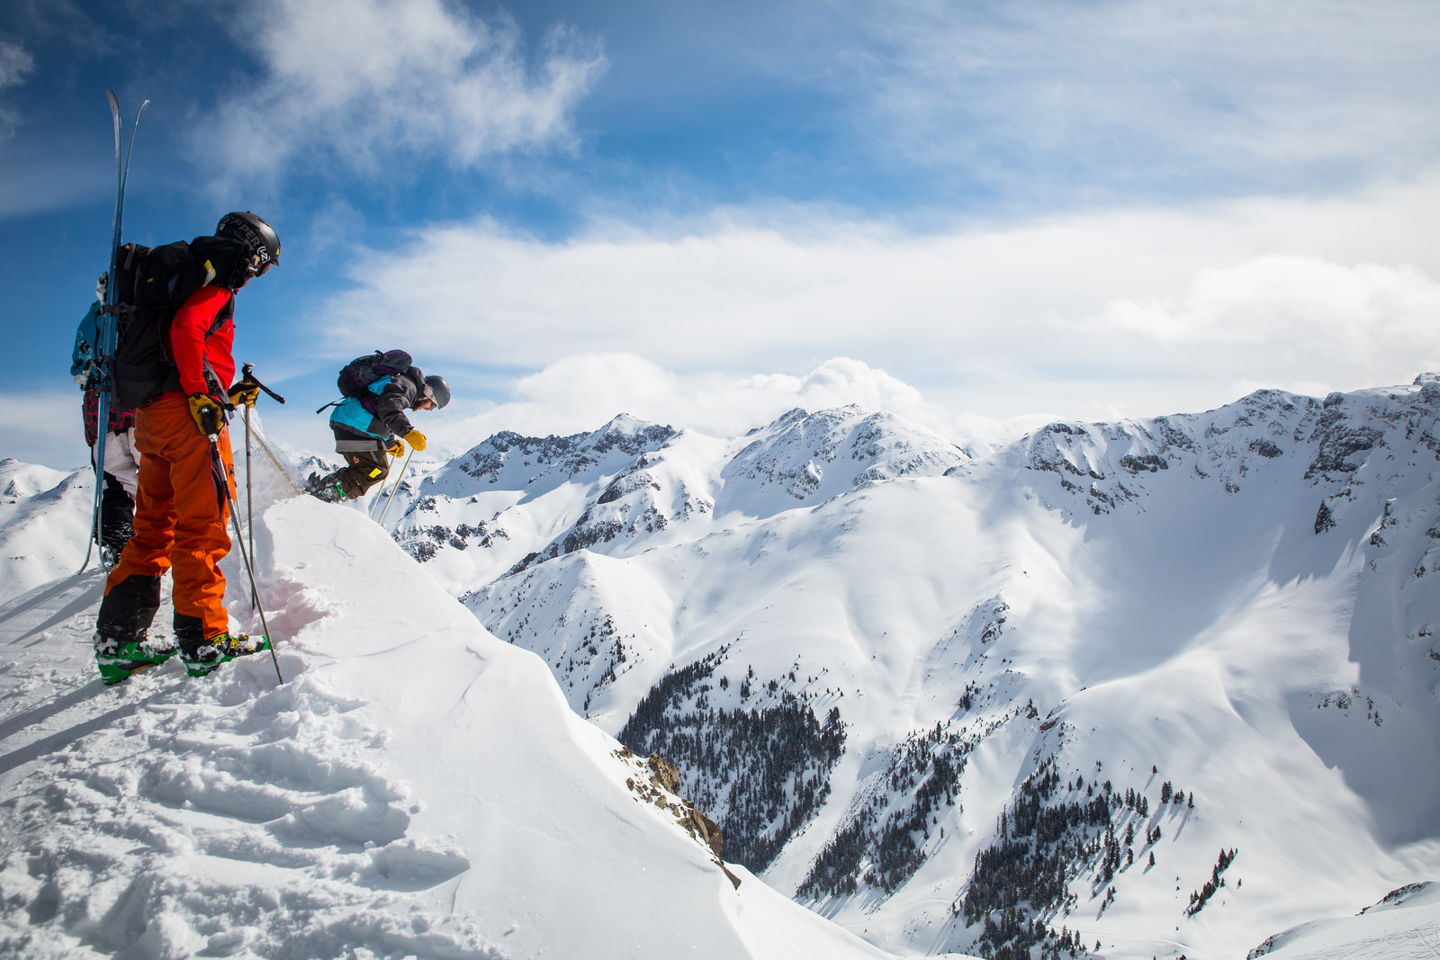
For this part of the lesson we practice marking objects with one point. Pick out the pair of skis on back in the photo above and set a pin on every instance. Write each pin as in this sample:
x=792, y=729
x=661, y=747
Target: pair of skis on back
x=105, y=356
x=109, y=316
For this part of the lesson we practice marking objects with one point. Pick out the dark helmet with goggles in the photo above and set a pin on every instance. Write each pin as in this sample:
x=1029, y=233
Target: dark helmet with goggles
x=438, y=390
x=262, y=243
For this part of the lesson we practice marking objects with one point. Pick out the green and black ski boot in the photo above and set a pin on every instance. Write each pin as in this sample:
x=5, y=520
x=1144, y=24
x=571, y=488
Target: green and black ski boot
x=117, y=659
x=222, y=648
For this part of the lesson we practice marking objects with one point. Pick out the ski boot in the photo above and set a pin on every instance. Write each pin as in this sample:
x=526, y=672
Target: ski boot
x=117, y=659
x=324, y=488
x=222, y=648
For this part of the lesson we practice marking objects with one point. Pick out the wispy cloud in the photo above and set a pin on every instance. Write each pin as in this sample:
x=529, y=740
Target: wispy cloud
x=365, y=83
x=16, y=64
x=1141, y=96
x=45, y=427
x=580, y=392
x=1084, y=315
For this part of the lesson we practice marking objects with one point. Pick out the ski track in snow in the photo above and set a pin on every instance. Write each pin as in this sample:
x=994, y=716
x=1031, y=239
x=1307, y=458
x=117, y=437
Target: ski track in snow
x=133, y=799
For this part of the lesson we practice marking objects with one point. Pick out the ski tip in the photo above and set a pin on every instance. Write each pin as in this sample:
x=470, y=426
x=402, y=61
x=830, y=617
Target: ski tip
x=114, y=100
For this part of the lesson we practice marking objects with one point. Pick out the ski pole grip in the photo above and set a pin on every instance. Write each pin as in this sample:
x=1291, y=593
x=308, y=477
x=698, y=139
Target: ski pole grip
x=247, y=372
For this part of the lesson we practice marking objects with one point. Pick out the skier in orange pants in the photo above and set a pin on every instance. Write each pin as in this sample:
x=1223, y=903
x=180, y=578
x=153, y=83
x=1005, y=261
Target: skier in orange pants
x=185, y=484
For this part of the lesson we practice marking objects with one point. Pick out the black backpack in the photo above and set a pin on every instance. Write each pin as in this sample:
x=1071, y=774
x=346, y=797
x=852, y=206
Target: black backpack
x=357, y=375
x=151, y=283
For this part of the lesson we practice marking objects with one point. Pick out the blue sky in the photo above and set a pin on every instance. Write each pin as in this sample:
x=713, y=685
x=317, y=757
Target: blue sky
x=979, y=215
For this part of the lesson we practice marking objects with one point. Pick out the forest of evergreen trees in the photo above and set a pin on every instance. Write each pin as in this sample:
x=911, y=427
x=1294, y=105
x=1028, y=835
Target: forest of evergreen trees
x=924, y=773
x=1044, y=843
x=760, y=772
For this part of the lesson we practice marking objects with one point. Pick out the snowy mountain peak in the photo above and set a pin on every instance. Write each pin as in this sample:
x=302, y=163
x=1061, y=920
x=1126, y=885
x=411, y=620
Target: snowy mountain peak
x=510, y=460
x=624, y=425
x=813, y=456
x=19, y=479
x=1333, y=443
x=1004, y=685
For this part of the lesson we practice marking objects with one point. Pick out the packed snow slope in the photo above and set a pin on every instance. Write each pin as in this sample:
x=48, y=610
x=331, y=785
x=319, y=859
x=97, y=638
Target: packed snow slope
x=1406, y=924
x=1140, y=689
x=44, y=524
x=414, y=787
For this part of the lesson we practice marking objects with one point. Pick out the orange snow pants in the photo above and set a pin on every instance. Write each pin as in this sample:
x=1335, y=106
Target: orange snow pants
x=180, y=512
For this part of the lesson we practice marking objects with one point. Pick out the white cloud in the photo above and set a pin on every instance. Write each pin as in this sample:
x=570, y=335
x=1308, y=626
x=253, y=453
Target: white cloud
x=1124, y=94
x=579, y=393
x=1129, y=312
x=45, y=427
x=364, y=83
x=1364, y=314
x=15, y=65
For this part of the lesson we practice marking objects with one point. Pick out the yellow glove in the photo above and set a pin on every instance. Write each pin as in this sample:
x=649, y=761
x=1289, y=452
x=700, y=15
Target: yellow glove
x=246, y=392
x=395, y=448
x=209, y=415
x=416, y=439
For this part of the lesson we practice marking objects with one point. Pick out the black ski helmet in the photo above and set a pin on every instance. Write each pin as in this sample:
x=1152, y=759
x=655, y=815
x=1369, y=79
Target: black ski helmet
x=438, y=390
x=257, y=235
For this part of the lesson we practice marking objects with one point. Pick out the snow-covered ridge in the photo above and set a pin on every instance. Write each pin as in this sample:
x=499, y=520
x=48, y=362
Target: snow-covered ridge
x=1329, y=441
x=1405, y=923
x=44, y=524
x=514, y=501
x=414, y=788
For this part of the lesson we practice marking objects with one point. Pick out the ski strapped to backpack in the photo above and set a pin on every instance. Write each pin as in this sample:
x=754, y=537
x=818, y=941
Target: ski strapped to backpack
x=105, y=348
x=150, y=284
x=357, y=376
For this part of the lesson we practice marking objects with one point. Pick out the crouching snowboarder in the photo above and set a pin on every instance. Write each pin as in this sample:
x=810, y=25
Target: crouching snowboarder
x=370, y=422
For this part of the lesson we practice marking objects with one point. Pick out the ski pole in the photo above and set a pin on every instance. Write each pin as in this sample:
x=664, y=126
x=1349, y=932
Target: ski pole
x=249, y=505
x=222, y=477
x=247, y=373
x=396, y=489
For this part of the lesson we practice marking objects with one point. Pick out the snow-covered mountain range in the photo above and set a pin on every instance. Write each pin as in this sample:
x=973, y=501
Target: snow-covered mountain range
x=1117, y=678
x=1155, y=688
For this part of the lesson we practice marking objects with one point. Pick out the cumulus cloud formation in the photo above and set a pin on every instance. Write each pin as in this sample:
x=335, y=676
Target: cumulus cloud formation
x=579, y=393
x=15, y=65
x=1365, y=313
x=1126, y=94
x=1084, y=316
x=363, y=82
